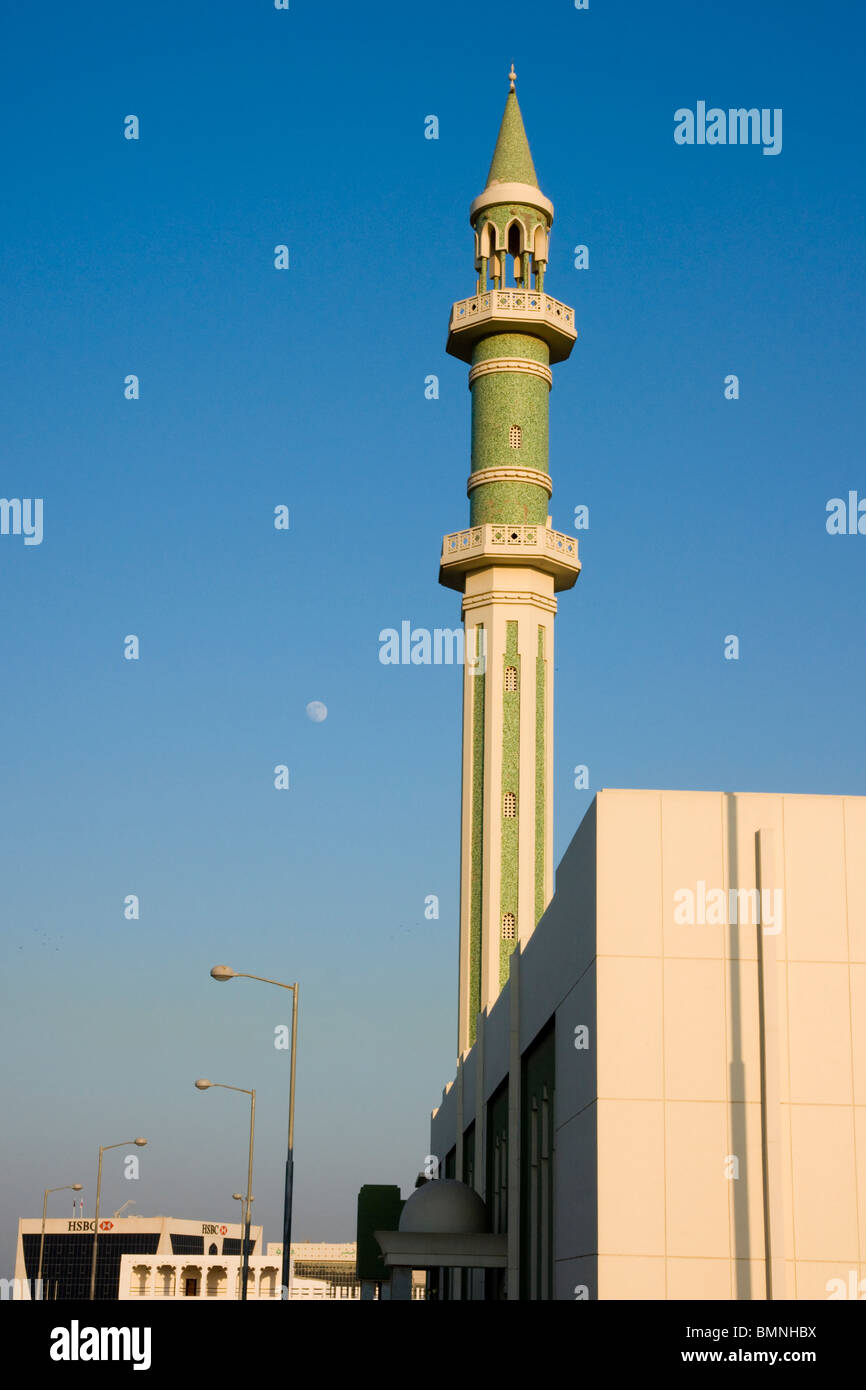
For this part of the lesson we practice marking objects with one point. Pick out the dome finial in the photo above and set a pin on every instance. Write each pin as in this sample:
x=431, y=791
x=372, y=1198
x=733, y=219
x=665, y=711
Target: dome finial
x=512, y=77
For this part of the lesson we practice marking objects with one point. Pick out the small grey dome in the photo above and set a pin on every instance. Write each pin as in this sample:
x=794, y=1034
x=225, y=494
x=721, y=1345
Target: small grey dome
x=445, y=1206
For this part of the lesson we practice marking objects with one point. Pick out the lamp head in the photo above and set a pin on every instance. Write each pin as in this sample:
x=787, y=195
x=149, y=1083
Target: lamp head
x=223, y=972
x=202, y=1085
x=77, y=1186
x=140, y=1142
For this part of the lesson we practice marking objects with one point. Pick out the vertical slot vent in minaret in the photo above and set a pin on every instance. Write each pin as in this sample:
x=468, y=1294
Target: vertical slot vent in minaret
x=509, y=805
x=515, y=436
x=508, y=926
x=511, y=678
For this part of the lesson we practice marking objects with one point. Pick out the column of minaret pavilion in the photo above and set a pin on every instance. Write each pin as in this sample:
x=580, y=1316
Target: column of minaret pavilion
x=508, y=565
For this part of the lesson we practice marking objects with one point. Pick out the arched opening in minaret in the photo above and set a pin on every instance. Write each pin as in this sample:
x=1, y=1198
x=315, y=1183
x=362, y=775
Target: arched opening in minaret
x=487, y=251
x=539, y=256
x=514, y=251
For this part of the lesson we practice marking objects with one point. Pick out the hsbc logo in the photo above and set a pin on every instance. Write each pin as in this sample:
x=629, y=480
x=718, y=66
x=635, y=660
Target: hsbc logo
x=223, y=1230
x=106, y=1225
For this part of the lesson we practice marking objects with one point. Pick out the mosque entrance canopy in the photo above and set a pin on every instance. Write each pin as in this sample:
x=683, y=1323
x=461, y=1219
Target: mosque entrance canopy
x=444, y=1224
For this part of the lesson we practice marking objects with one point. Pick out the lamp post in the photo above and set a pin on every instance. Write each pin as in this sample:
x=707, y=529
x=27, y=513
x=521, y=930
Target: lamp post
x=203, y=1085
x=223, y=973
x=239, y=1197
x=140, y=1143
x=68, y=1187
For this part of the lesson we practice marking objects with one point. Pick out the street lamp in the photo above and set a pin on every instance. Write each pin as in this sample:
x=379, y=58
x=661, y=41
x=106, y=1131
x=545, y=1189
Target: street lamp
x=140, y=1143
x=239, y=1197
x=205, y=1086
x=69, y=1187
x=223, y=973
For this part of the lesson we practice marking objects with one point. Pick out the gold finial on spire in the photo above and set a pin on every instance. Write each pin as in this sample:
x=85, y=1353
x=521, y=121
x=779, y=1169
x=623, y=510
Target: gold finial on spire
x=512, y=77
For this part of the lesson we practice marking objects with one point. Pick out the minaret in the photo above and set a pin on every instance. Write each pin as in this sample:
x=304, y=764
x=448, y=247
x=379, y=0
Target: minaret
x=508, y=565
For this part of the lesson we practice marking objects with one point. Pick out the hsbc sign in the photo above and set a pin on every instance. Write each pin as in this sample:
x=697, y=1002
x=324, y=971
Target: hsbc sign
x=208, y=1228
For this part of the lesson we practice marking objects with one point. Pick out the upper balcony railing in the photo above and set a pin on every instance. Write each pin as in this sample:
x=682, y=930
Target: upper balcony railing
x=535, y=311
x=513, y=301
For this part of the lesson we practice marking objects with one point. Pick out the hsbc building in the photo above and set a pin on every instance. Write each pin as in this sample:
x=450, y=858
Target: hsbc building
x=68, y=1250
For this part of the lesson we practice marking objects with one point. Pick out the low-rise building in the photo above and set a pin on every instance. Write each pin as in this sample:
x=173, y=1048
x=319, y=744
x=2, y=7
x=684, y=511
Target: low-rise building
x=67, y=1253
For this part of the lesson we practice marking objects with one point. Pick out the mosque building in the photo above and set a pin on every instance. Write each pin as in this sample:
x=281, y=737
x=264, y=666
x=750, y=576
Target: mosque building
x=661, y=1076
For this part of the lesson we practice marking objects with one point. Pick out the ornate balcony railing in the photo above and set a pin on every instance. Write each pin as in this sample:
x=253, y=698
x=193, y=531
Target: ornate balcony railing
x=511, y=310
x=464, y=542
x=521, y=303
x=533, y=545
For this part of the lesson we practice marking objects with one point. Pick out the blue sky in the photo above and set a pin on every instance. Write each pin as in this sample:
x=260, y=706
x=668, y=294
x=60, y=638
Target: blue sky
x=306, y=387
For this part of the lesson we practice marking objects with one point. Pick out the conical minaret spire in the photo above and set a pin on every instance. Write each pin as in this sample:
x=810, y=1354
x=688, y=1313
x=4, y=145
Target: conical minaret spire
x=512, y=158
x=508, y=565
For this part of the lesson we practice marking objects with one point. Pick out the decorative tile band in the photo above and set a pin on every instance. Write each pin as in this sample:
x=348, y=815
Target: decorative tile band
x=509, y=596
x=509, y=475
x=510, y=364
x=510, y=824
x=540, y=790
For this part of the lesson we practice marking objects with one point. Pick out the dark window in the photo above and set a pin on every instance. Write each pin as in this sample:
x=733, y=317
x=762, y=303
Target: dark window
x=537, y=1120
x=187, y=1245
x=469, y=1155
x=497, y=1159
x=338, y=1273
x=232, y=1245
x=497, y=1180
x=67, y=1259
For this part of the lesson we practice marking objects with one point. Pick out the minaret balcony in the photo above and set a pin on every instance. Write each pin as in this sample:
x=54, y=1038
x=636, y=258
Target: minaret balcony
x=533, y=547
x=511, y=311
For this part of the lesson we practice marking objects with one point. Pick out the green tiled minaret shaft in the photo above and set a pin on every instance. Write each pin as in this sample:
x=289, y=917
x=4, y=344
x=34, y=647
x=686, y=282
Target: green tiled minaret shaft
x=509, y=564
